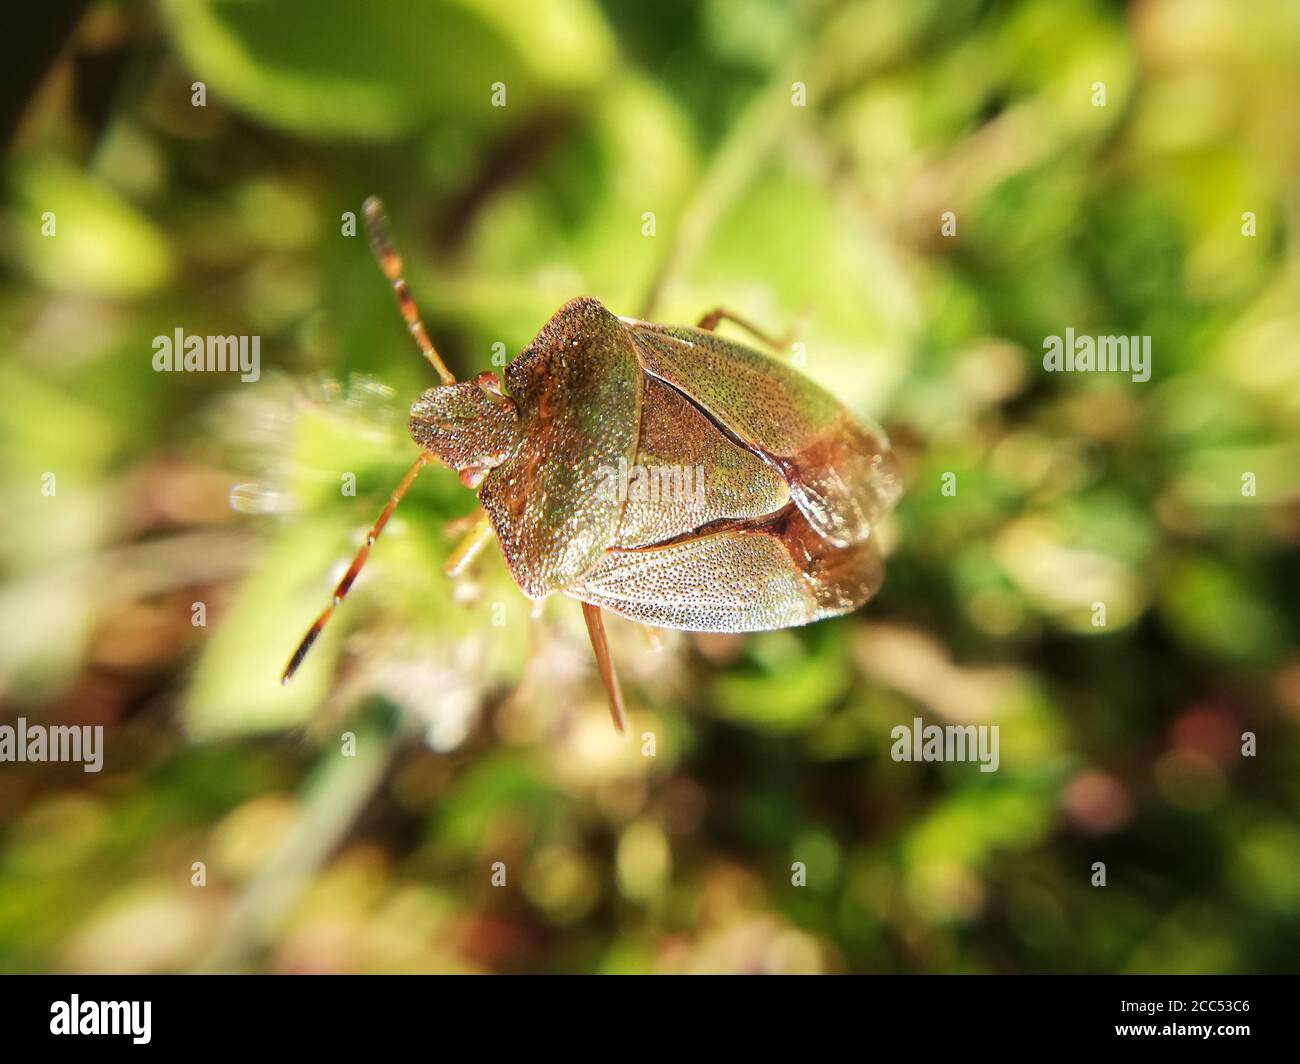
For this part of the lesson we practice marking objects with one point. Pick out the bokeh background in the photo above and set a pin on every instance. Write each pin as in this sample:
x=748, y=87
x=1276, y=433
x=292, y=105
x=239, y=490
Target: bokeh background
x=481, y=732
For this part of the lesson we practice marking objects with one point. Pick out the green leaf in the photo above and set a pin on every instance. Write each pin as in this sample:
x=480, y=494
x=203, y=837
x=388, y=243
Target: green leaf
x=76, y=234
x=385, y=68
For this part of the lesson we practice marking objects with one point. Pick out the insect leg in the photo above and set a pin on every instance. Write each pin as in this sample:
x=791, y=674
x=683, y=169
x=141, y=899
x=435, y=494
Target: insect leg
x=391, y=263
x=710, y=322
x=479, y=535
x=596, y=630
x=346, y=583
x=458, y=526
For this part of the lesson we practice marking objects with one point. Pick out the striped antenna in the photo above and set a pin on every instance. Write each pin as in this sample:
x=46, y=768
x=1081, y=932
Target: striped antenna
x=354, y=569
x=391, y=263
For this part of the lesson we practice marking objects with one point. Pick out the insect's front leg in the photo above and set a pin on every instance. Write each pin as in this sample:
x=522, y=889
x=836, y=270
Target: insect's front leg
x=476, y=533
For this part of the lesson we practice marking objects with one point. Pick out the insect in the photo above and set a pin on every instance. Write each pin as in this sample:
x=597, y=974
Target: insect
x=786, y=484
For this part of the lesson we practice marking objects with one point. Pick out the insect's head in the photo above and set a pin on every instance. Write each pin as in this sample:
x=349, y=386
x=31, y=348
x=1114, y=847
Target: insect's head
x=471, y=426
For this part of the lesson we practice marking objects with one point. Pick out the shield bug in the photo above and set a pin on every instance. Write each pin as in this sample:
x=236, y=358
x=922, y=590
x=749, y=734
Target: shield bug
x=661, y=472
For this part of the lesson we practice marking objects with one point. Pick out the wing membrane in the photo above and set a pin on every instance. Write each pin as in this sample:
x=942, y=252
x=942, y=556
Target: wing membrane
x=842, y=474
x=688, y=474
x=754, y=576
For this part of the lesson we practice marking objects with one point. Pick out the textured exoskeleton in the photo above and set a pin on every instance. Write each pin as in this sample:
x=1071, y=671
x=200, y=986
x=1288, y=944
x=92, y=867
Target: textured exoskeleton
x=764, y=519
x=778, y=531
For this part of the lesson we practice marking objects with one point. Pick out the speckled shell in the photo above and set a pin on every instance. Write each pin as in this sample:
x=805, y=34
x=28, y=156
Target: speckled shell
x=792, y=483
x=841, y=473
x=773, y=573
x=578, y=388
x=675, y=434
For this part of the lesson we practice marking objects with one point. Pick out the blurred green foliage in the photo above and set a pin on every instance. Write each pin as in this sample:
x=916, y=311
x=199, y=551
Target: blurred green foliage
x=481, y=733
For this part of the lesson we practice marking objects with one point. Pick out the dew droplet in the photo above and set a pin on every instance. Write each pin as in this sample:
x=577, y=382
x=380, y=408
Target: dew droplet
x=256, y=499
